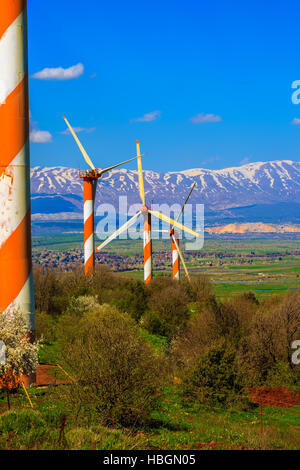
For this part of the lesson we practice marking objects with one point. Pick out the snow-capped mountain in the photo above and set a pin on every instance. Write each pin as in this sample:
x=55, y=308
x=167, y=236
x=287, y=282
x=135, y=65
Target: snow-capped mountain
x=59, y=189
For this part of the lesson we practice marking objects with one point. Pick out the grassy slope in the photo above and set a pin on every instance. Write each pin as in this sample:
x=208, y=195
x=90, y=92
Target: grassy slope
x=176, y=426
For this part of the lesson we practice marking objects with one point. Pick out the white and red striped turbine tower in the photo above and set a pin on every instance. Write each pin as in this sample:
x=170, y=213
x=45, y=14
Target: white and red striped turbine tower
x=146, y=213
x=90, y=178
x=16, y=283
x=175, y=256
x=176, y=252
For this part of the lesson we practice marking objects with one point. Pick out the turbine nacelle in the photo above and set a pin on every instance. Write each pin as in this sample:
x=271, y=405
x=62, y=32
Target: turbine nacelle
x=89, y=174
x=93, y=172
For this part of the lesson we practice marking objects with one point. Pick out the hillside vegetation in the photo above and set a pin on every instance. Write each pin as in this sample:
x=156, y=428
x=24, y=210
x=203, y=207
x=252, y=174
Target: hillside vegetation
x=164, y=366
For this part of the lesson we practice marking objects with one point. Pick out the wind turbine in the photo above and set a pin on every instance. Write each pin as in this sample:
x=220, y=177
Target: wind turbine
x=90, y=178
x=176, y=252
x=146, y=213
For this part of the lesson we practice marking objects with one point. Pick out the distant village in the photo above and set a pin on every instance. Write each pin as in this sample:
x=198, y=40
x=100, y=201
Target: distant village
x=69, y=259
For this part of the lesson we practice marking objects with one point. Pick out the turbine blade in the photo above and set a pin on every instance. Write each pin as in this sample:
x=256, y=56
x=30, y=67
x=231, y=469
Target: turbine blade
x=160, y=231
x=181, y=258
x=191, y=190
x=85, y=155
x=172, y=222
x=119, y=231
x=156, y=231
x=140, y=173
x=119, y=164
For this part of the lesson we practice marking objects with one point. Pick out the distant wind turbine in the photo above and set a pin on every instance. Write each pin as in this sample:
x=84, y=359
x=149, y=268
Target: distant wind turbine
x=90, y=178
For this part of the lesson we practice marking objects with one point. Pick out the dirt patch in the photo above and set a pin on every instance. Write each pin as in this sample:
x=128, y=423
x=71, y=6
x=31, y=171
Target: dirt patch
x=279, y=397
x=45, y=375
x=48, y=375
x=207, y=445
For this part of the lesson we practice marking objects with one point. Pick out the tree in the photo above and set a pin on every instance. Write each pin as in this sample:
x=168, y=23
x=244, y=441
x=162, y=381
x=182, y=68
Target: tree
x=131, y=298
x=20, y=354
x=168, y=303
x=82, y=304
x=214, y=378
x=116, y=372
x=272, y=332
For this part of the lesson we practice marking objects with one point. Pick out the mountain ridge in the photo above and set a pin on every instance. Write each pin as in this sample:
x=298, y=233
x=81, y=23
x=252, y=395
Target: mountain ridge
x=250, y=184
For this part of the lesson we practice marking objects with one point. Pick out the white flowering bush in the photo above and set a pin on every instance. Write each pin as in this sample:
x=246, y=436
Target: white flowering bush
x=20, y=354
x=83, y=304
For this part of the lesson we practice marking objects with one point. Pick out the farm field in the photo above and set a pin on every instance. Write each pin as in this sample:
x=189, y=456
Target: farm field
x=266, y=266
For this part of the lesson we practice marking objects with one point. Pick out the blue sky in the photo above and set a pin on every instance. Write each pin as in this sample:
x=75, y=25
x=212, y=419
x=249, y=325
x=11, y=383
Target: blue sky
x=200, y=84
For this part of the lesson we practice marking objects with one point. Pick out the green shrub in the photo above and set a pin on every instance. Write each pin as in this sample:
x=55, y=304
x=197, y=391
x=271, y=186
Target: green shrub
x=168, y=304
x=269, y=341
x=131, y=297
x=200, y=290
x=117, y=372
x=50, y=292
x=24, y=429
x=82, y=304
x=152, y=323
x=45, y=327
x=214, y=378
x=283, y=375
x=20, y=422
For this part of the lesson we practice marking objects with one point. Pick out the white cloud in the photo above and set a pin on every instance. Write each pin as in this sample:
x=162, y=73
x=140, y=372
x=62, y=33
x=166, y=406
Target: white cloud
x=40, y=137
x=87, y=130
x=148, y=117
x=60, y=73
x=296, y=121
x=36, y=136
x=202, y=117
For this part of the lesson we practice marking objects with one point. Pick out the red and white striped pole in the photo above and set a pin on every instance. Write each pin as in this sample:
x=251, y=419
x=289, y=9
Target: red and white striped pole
x=175, y=260
x=89, y=185
x=16, y=283
x=147, y=246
